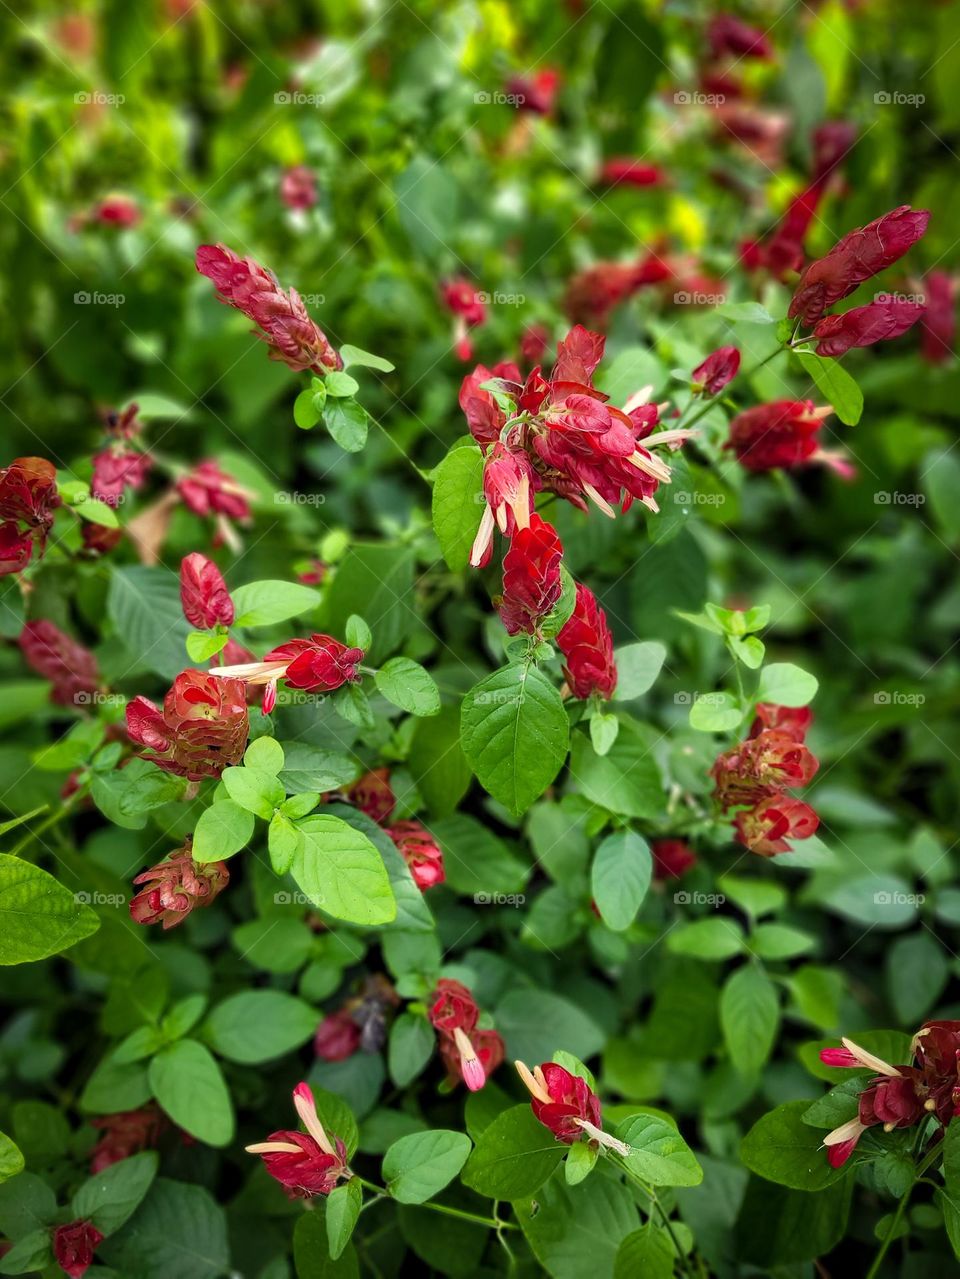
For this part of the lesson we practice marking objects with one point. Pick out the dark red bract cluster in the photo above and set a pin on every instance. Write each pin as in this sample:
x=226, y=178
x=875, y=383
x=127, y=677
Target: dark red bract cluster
x=71, y=668
x=175, y=887
x=28, y=499
x=531, y=577
x=74, y=1245
x=587, y=645
x=564, y=1101
x=469, y=1052
x=779, y=435
x=124, y=1134
x=319, y=664
x=202, y=728
x=421, y=852
x=305, y=1164
x=204, y=596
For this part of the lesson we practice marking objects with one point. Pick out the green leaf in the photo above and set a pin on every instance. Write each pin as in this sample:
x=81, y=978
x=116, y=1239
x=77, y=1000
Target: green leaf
x=355, y=355
x=838, y=387
x=178, y=1230
x=31, y=1253
x=786, y=685
x=418, y=1166
x=638, y=666
x=137, y=597
x=747, y=312
x=749, y=1015
x=341, y=871
x=341, y=385
x=949, y=1197
x=514, y=1156
x=712, y=939
x=202, y=645
x=348, y=423
x=308, y=768
x=619, y=878
x=266, y=603
x=343, y=1209
x=658, y=1154
x=478, y=863
x=604, y=730
x=715, y=713
x=222, y=830
x=39, y=917
x=311, y=1251
x=779, y=941
x=284, y=842
x=265, y=754
x=782, y=1148
x=534, y=1023
x=254, y=790
x=11, y=1158
x=188, y=1084
x=412, y=1043
x=374, y=581
x=254, y=1026
x=646, y=1252
x=305, y=412
x=111, y=1196
x=626, y=780
x=917, y=972
x=515, y=734
x=409, y=686
x=437, y=763
x=357, y=633
x=580, y=1162
x=575, y=1231
x=458, y=504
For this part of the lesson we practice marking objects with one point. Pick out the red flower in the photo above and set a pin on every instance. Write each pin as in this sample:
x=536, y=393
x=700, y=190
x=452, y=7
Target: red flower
x=203, y=593
x=124, y=1134
x=74, y=1246
x=535, y=93
x=484, y=1054
x=586, y=643
x=484, y=416
x=117, y=210
x=177, y=886
x=28, y=495
x=861, y=254
x=462, y=298
x=71, y=668
x=865, y=325
x=509, y=484
x=784, y=251
x=317, y=665
x=337, y=1037
x=938, y=327
x=562, y=1102
x=420, y=851
x=795, y=721
x=832, y=142
x=373, y=795
x=285, y=325
x=207, y=490
x=596, y=290
x=623, y=171
x=202, y=728
x=305, y=1164
x=717, y=370
x=16, y=548
x=116, y=468
x=729, y=37
x=531, y=577
x=766, y=828
x=672, y=858
x=780, y=434
x=764, y=762
x=298, y=187
x=452, y=1007
x=98, y=539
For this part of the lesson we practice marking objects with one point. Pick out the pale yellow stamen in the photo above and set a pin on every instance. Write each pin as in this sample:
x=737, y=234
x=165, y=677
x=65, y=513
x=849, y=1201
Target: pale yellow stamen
x=846, y=1132
x=536, y=1087
x=604, y=506
x=876, y=1064
x=310, y=1120
x=273, y=1148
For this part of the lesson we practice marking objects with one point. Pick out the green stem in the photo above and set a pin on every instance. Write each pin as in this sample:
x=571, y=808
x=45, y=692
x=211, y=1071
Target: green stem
x=664, y=1216
x=45, y=825
x=492, y=1223
x=922, y=1167
x=402, y=451
x=709, y=403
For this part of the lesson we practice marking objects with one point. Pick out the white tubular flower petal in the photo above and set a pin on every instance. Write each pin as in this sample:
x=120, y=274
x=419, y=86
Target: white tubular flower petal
x=306, y=1108
x=273, y=1148
x=533, y=1085
x=604, y=1138
x=651, y=466
x=595, y=497
x=876, y=1064
x=482, y=541
x=638, y=399
x=846, y=1132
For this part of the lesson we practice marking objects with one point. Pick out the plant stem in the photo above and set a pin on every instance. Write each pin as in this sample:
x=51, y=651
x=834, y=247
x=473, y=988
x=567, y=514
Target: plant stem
x=492, y=1223
x=664, y=1216
x=922, y=1167
x=45, y=825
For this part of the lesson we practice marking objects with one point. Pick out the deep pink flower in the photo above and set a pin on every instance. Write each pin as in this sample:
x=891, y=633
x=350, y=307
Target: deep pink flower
x=207, y=490
x=781, y=434
x=859, y=255
x=74, y=1246
x=420, y=851
x=305, y=1164
x=938, y=328
x=586, y=643
x=117, y=210
x=116, y=468
x=795, y=721
x=865, y=325
x=562, y=1102
x=292, y=336
x=452, y=1007
x=731, y=37
x=672, y=858
x=484, y=417
x=71, y=668
x=509, y=485
x=202, y=728
x=177, y=886
x=317, y=665
x=719, y=368
x=337, y=1037
x=624, y=171
x=531, y=576
x=298, y=187
x=204, y=596
x=472, y=1058
x=766, y=828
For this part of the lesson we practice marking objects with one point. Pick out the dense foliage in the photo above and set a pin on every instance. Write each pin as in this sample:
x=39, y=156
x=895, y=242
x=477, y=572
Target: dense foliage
x=478, y=525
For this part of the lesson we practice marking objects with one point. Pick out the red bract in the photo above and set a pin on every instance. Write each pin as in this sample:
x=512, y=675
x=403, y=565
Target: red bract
x=861, y=254
x=586, y=643
x=124, y=1134
x=16, y=548
x=176, y=886
x=420, y=851
x=623, y=171
x=466, y=1051
x=531, y=577
x=117, y=468
x=938, y=327
x=730, y=37
x=485, y=1055
x=298, y=187
x=202, y=728
x=832, y=142
x=795, y=721
x=865, y=325
x=305, y=1164
x=783, y=253
x=672, y=858
x=509, y=484
x=117, y=210
x=562, y=1102
x=536, y=92
x=285, y=325
x=317, y=665
x=98, y=539
x=468, y=309
x=596, y=290
x=373, y=795
x=204, y=596
x=719, y=368
x=769, y=760
x=776, y=819
x=484, y=416
x=453, y=1007
x=781, y=434
x=71, y=668
x=28, y=496
x=209, y=491
x=74, y=1246
x=337, y=1037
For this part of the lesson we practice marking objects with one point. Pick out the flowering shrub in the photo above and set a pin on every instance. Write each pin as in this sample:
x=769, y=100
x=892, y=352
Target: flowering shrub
x=463, y=798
